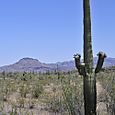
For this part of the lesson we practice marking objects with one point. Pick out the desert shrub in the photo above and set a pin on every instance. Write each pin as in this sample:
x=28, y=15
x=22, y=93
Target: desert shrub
x=73, y=99
x=21, y=102
x=56, y=104
x=37, y=90
x=69, y=100
x=23, y=89
x=107, y=79
x=13, y=111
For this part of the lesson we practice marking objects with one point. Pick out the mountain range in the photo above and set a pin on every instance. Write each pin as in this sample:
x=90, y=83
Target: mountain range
x=34, y=65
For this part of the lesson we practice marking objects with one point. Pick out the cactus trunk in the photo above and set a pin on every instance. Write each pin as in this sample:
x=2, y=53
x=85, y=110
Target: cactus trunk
x=89, y=76
x=88, y=55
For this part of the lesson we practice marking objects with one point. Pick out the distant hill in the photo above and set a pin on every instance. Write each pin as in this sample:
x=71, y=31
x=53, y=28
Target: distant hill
x=30, y=65
x=34, y=65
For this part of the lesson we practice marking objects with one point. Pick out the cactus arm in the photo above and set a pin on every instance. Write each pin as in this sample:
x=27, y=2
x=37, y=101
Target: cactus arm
x=101, y=57
x=80, y=66
x=77, y=61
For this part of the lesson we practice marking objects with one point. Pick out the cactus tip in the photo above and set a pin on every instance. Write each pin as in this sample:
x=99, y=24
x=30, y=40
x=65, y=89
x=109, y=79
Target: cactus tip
x=77, y=56
x=102, y=54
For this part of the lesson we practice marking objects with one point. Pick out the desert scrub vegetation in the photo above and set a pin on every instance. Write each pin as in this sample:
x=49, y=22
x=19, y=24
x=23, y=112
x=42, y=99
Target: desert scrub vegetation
x=52, y=93
x=107, y=79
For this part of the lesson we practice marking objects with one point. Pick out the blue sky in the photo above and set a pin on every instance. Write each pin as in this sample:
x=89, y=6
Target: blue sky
x=52, y=30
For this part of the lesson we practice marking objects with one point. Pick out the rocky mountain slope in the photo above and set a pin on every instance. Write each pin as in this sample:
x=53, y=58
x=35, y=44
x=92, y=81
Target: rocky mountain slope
x=30, y=65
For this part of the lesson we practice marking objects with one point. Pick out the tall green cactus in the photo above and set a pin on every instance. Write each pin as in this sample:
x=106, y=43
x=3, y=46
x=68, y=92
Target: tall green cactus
x=88, y=55
x=86, y=68
x=89, y=78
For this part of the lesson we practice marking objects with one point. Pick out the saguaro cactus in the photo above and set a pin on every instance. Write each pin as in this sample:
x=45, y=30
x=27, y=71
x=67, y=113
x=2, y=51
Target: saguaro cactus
x=86, y=68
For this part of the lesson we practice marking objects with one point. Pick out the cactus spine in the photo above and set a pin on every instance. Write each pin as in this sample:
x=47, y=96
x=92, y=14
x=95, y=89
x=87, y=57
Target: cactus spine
x=86, y=68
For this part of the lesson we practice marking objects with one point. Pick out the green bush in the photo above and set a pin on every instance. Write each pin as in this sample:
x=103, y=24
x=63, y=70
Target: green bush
x=37, y=90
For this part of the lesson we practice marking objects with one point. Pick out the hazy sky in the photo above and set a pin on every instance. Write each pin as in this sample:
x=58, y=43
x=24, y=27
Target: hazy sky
x=52, y=30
